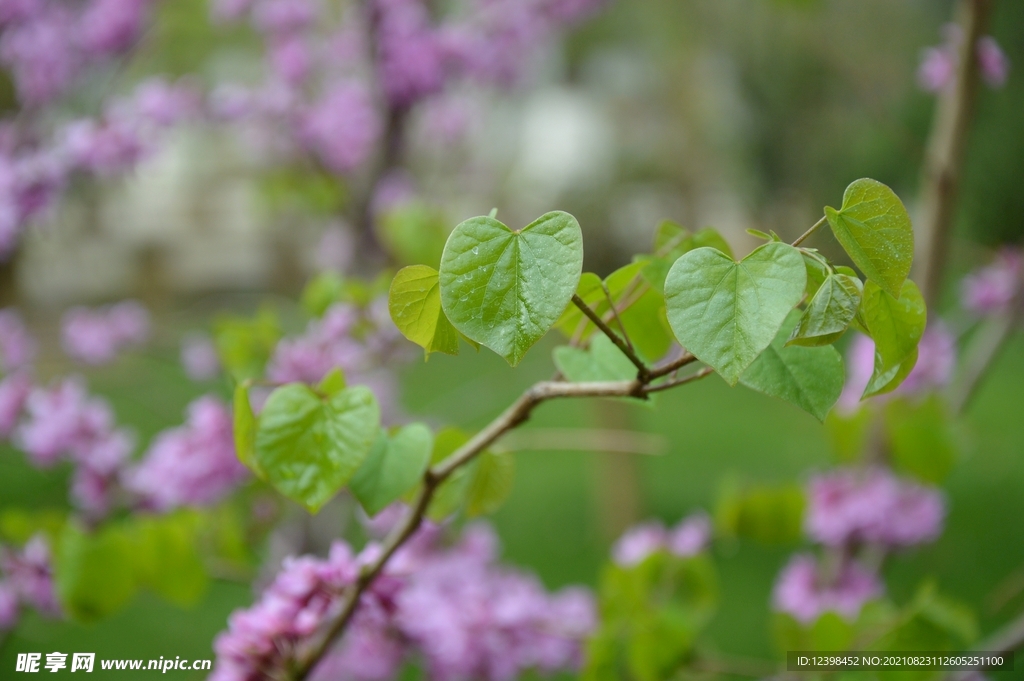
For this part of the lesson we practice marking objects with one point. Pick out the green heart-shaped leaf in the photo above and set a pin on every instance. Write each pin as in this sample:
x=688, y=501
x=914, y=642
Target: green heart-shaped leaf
x=506, y=289
x=830, y=311
x=393, y=467
x=415, y=305
x=309, y=447
x=809, y=377
x=874, y=228
x=726, y=313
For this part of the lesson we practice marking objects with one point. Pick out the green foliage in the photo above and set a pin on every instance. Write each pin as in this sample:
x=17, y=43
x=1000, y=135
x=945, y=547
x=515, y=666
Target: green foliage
x=245, y=429
x=452, y=493
x=726, y=313
x=848, y=433
x=829, y=313
x=809, y=377
x=670, y=242
x=505, y=289
x=922, y=442
x=650, y=615
x=874, y=229
x=414, y=233
x=415, y=306
x=764, y=513
x=310, y=446
x=490, y=482
x=641, y=309
x=18, y=525
x=95, y=575
x=321, y=292
x=394, y=466
x=896, y=326
x=602, y=361
x=167, y=558
x=244, y=345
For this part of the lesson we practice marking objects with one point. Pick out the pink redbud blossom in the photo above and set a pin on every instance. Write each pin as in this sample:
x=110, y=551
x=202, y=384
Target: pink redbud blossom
x=8, y=606
x=409, y=56
x=991, y=290
x=109, y=27
x=199, y=357
x=937, y=69
x=194, y=464
x=30, y=574
x=872, y=506
x=97, y=335
x=803, y=592
x=14, y=390
x=41, y=54
x=688, y=538
x=994, y=65
x=63, y=421
x=342, y=127
x=327, y=343
x=17, y=346
x=283, y=16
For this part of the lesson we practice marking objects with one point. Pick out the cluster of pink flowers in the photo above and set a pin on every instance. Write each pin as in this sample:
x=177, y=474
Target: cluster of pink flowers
x=995, y=288
x=316, y=97
x=688, y=538
x=192, y=465
x=27, y=580
x=936, y=361
x=17, y=346
x=453, y=607
x=849, y=509
x=938, y=64
x=63, y=422
x=97, y=335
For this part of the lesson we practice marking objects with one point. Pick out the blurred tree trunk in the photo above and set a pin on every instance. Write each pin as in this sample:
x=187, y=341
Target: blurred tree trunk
x=618, y=499
x=945, y=154
x=9, y=279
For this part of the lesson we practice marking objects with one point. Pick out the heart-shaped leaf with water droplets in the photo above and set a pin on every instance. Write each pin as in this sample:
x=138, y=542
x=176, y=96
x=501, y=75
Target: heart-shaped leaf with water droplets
x=726, y=312
x=506, y=289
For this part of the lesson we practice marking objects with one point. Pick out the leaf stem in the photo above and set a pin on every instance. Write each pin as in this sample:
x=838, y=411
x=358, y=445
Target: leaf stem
x=814, y=228
x=615, y=314
x=627, y=349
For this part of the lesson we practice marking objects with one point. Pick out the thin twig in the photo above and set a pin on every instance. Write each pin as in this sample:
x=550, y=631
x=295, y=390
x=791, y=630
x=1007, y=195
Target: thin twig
x=982, y=352
x=615, y=314
x=627, y=350
x=647, y=390
x=812, y=230
x=1009, y=639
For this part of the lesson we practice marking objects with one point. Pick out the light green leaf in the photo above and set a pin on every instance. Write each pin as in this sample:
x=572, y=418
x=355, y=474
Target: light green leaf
x=245, y=429
x=95, y=575
x=321, y=292
x=829, y=312
x=726, y=313
x=896, y=326
x=874, y=228
x=817, y=272
x=332, y=383
x=310, y=447
x=414, y=233
x=491, y=484
x=601, y=362
x=670, y=244
x=809, y=377
x=505, y=289
x=167, y=558
x=415, y=306
x=770, y=515
x=244, y=345
x=882, y=382
x=394, y=466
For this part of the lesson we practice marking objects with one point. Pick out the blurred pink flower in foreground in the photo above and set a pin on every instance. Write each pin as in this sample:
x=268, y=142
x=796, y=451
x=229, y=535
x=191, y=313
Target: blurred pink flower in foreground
x=991, y=289
x=454, y=607
x=17, y=346
x=849, y=506
x=803, y=592
x=199, y=357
